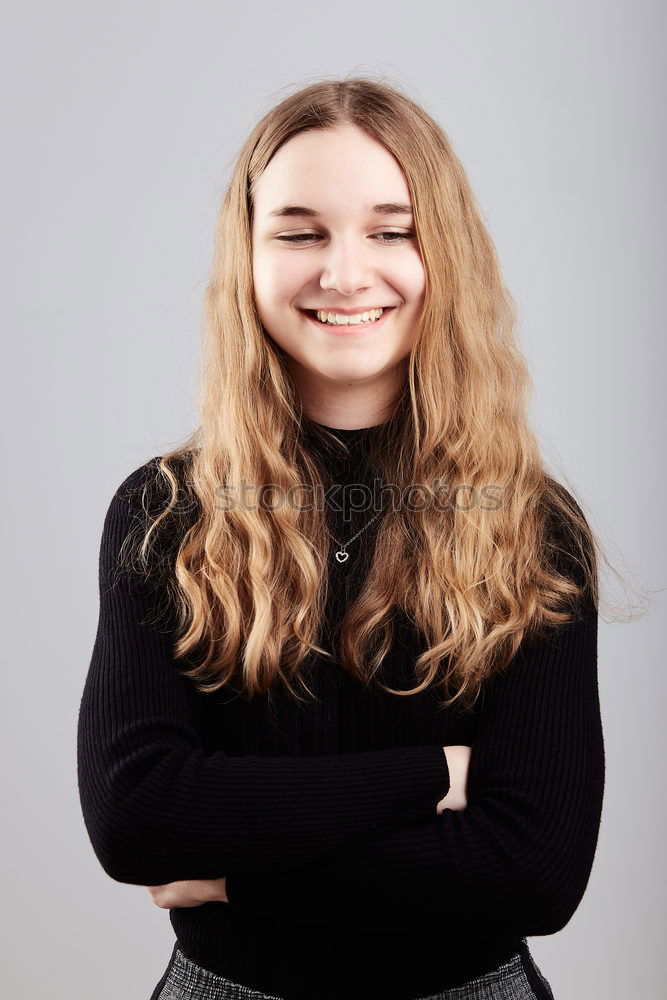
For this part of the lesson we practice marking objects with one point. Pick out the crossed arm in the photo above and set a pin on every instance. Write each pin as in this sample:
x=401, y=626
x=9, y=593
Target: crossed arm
x=195, y=892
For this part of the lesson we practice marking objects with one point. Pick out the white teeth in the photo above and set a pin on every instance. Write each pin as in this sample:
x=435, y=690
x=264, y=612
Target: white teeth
x=338, y=319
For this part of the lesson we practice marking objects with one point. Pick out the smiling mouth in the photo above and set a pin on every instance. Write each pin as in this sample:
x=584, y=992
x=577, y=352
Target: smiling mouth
x=313, y=313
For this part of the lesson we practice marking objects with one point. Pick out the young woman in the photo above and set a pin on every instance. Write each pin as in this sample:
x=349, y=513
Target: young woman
x=342, y=713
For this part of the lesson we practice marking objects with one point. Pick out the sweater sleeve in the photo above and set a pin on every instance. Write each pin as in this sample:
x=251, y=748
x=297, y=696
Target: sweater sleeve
x=520, y=855
x=159, y=809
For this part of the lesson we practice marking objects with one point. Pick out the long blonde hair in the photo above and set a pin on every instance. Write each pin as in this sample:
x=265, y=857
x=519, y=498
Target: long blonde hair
x=250, y=585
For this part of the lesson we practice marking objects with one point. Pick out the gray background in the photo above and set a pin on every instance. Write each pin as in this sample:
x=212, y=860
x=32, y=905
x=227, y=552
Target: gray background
x=120, y=122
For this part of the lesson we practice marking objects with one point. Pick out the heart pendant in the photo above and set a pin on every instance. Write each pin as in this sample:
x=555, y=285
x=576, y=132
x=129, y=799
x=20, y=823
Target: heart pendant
x=342, y=556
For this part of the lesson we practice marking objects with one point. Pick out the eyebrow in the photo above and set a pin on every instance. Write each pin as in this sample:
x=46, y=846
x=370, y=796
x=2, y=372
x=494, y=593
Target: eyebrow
x=385, y=208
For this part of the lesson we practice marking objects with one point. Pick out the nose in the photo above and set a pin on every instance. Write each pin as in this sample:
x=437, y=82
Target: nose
x=346, y=269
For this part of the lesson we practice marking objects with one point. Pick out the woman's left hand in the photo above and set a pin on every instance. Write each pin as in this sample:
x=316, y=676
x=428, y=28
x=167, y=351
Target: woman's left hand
x=192, y=892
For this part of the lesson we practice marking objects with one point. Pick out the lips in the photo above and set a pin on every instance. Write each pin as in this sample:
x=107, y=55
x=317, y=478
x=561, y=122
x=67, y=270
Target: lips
x=345, y=329
x=346, y=312
x=352, y=312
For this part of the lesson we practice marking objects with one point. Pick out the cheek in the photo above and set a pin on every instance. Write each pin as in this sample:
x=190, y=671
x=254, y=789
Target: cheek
x=279, y=279
x=408, y=279
x=416, y=281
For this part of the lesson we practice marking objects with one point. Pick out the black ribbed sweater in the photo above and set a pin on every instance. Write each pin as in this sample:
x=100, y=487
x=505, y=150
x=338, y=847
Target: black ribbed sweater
x=343, y=881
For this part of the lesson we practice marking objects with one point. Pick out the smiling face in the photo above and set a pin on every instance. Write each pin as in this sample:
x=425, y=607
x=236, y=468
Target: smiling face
x=352, y=251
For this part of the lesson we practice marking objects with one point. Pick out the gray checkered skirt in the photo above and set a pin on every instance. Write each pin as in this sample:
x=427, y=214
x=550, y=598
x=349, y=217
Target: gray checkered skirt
x=517, y=979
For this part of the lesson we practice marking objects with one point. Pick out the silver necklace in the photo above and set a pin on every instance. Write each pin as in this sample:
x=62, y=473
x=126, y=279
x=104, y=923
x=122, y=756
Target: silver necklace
x=342, y=556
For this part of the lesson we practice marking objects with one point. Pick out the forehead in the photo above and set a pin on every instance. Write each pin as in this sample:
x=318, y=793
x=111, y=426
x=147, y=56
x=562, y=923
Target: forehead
x=330, y=171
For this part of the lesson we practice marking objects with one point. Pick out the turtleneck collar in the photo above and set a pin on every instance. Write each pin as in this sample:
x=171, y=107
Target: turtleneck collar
x=347, y=430
x=347, y=433
x=343, y=450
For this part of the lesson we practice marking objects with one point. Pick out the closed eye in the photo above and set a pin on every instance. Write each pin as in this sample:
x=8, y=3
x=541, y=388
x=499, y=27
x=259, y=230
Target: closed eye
x=307, y=237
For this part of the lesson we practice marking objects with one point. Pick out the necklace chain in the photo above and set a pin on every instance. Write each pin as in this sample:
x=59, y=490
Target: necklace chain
x=342, y=556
